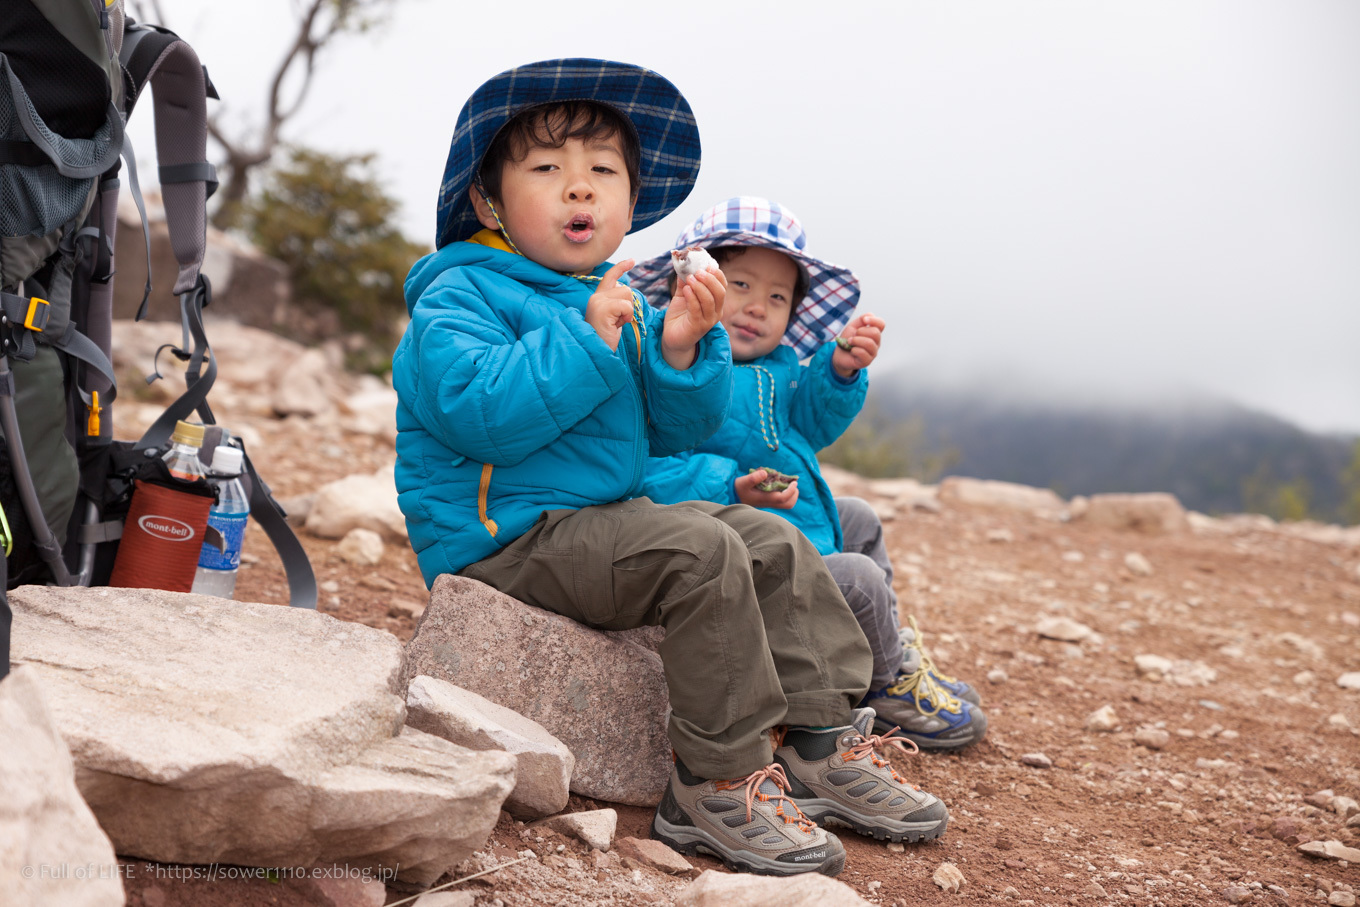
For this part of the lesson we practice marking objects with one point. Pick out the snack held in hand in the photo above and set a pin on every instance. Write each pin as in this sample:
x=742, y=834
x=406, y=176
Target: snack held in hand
x=774, y=479
x=844, y=343
x=689, y=262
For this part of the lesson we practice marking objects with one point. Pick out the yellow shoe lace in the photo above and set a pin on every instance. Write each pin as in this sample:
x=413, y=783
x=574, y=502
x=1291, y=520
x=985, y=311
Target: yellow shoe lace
x=926, y=661
x=921, y=686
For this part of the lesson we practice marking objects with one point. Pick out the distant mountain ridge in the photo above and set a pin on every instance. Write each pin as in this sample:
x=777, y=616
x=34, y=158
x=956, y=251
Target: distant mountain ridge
x=1215, y=455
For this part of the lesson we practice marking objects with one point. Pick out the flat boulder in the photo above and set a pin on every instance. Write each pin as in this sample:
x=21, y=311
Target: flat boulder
x=205, y=730
x=990, y=493
x=604, y=697
x=543, y=764
x=52, y=850
x=739, y=889
x=1153, y=513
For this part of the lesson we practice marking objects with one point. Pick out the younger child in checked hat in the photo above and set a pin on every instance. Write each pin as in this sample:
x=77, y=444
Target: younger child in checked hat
x=783, y=305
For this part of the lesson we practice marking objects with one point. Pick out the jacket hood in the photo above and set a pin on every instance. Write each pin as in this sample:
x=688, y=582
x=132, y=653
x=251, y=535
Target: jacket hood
x=516, y=267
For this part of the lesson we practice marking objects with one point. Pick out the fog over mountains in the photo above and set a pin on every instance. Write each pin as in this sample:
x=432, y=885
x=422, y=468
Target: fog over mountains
x=1215, y=455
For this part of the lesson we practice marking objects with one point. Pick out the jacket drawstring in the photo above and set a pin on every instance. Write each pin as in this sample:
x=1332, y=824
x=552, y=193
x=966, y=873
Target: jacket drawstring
x=772, y=427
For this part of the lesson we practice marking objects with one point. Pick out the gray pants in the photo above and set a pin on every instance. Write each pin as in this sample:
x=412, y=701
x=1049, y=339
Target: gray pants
x=756, y=634
x=865, y=576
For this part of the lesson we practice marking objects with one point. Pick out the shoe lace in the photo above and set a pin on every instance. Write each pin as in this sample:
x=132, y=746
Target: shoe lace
x=868, y=746
x=922, y=686
x=926, y=661
x=773, y=772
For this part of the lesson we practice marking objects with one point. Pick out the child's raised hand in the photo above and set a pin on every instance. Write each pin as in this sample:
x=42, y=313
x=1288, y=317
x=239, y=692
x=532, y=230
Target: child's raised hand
x=864, y=333
x=611, y=305
x=747, y=493
x=696, y=306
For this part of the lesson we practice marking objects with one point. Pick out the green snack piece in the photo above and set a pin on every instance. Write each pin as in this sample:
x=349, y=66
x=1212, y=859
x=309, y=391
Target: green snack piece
x=774, y=480
x=844, y=343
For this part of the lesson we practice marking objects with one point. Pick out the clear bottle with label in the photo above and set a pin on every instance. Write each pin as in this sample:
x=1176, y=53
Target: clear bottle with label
x=182, y=458
x=217, y=569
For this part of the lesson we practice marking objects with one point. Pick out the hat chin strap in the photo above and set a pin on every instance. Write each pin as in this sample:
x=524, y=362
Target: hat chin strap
x=499, y=223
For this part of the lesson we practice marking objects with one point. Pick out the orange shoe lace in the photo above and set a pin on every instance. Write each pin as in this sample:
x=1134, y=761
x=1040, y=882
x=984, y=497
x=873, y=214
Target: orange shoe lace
x=867, y=746
x=773, y=772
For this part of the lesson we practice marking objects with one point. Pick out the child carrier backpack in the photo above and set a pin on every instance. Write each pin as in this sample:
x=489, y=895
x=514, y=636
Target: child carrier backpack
x=71, y=72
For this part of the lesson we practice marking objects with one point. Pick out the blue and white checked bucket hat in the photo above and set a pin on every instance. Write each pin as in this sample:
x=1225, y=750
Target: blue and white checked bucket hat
x=667, y=134
x=833, y=291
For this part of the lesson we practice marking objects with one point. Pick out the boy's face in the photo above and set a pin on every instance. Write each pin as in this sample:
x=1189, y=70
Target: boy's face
x=760, y=285
x=565, y=208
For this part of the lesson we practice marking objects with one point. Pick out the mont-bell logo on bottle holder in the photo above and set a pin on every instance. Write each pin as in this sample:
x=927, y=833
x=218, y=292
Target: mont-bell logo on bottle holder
x=167, y=528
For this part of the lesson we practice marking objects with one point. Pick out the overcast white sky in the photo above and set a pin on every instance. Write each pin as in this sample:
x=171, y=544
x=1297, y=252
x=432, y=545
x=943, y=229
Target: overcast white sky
x=1102, y=197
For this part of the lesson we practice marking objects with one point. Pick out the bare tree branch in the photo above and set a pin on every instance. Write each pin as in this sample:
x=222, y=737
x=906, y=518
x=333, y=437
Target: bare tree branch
x=319, y=23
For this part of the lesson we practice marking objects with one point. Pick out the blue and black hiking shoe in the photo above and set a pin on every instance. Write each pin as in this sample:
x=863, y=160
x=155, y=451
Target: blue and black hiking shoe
x=915, y=652
x=927, y=712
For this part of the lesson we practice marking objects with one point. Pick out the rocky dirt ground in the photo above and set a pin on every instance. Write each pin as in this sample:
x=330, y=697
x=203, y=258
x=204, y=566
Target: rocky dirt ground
x=1210, y=777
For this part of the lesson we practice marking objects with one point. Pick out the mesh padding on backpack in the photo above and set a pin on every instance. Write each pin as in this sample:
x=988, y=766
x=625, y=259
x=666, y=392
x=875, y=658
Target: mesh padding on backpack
x=35, y=200
x=69, y=90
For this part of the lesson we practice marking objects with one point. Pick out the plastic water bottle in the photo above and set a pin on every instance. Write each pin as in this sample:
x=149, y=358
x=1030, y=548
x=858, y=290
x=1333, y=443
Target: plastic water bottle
x=182, y=458
x=217, y=569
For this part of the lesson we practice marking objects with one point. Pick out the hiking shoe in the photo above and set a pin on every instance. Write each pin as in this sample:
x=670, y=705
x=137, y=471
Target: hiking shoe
x=838, y=775
x=915, y=653
x=927, y=713
x=749, y=824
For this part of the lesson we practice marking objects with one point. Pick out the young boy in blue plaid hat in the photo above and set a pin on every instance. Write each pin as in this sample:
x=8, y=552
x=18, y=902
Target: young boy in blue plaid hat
x=533, y=382
x=783, y=305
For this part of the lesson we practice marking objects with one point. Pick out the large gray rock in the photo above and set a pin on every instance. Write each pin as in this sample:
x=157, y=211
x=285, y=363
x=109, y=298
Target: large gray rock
x=728, y=889
x=206, y=730
x=543, y=764
x=47, y=833
x=604, y=698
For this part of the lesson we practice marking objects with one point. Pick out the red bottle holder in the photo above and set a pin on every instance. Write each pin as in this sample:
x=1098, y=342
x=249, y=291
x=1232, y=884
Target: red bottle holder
x=162, y=538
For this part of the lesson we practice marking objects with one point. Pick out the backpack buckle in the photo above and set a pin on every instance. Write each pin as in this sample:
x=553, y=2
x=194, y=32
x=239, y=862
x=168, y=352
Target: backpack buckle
x=39, y=311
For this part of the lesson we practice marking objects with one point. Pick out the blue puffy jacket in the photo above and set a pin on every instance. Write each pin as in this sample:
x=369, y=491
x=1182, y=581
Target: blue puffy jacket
x=509, y=403
x=782, y=414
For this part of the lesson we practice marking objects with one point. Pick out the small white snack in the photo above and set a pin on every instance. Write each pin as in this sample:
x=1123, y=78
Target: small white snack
x=692, y=261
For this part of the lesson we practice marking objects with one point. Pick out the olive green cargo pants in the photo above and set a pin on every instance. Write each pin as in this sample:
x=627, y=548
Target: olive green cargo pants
x=757, y=632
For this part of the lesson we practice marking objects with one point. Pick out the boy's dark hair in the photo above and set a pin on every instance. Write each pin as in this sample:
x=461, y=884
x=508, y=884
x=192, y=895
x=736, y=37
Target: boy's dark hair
x=549, y=126
x=723, y=254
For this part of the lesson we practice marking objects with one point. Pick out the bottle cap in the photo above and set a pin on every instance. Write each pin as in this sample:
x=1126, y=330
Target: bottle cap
x=190, y=433
x=227, y=461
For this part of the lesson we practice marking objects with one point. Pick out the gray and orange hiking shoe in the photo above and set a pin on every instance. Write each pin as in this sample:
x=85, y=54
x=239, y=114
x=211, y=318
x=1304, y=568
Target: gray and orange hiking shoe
x=840, y=775
x=749, y=823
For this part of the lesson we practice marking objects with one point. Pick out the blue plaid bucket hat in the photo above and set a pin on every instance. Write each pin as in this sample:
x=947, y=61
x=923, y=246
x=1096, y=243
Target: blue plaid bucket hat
x=833, y=291
x=666, y=132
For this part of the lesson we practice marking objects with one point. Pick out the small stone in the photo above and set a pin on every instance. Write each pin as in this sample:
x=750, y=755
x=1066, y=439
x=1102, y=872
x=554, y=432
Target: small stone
x=1353, y=822
x=948, y=877
x=1339, y=721
x=874, y=886
x=1037, y=760
x=330, y=585
x=1305, y=679
x=1000, y=535
x=1349, y=681
x=998, y=676
x=1341, y=898
x=1094, y=890
x=1152, y=665
x=1137, y=564
x=362, y=547
x=1073, y=557
x=896, y=847
x=1102, y=719
x=1284, y=827
x=1064, y=629
x=593, y=827
x=1151, y=737
x=654, y=854
x=1345, y=807
x=1277, y=891
x=1237, y=894
x=1321, y=799
x=1010, y=891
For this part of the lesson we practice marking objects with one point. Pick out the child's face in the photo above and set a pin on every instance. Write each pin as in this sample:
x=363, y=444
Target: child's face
x=760, y=284
x=566, y=208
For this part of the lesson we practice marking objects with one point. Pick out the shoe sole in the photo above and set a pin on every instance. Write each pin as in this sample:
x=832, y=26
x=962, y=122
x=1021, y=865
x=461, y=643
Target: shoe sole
x=691, y=841
x=824, y=811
